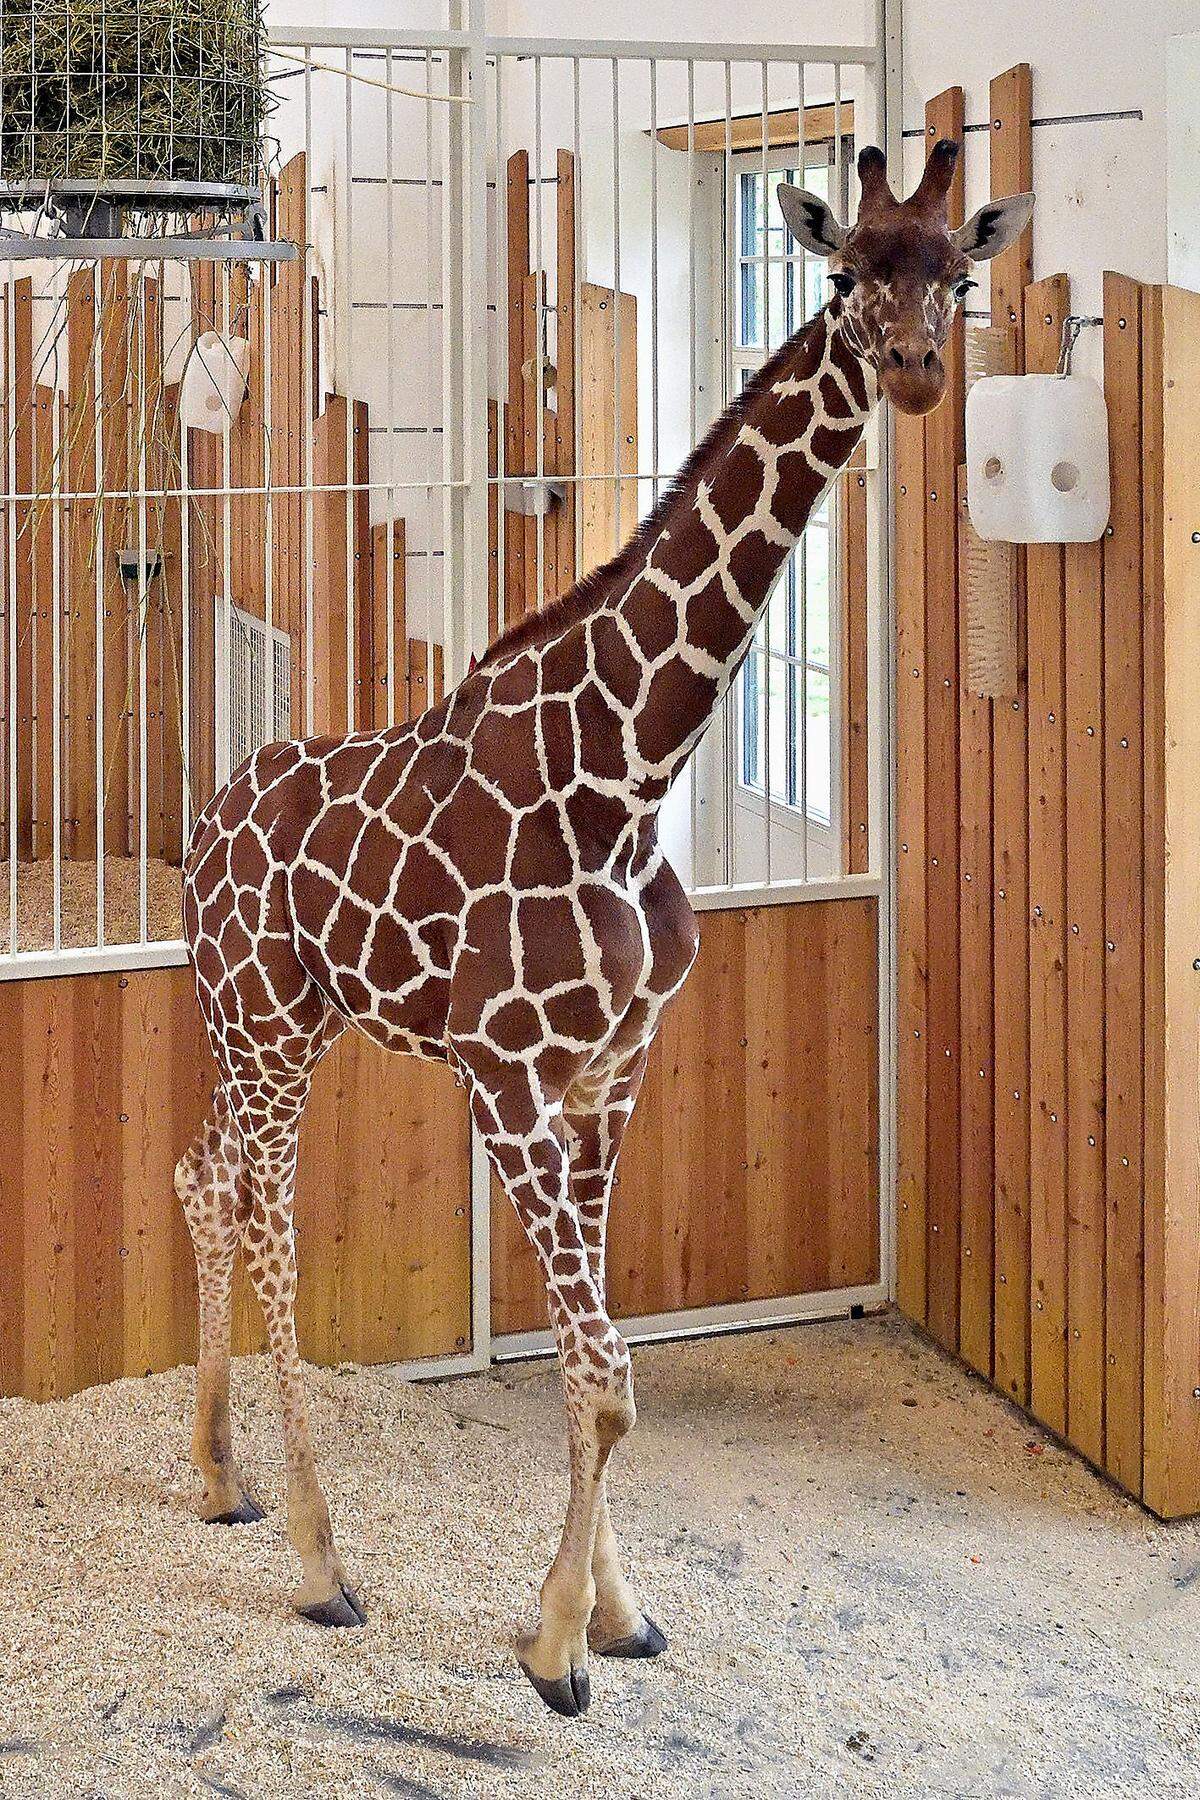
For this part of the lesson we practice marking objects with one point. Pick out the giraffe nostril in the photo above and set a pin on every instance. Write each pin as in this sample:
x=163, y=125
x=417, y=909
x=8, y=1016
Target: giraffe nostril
x=928, y=360
x=896, y=357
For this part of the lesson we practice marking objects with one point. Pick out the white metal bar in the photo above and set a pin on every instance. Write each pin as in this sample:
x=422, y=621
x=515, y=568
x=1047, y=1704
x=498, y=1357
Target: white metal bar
x=10, y=349
x=268, y=381
x=56, y=707
x=347, y=323
x=224, y=770
x=705, y=1321
x=339, y=37
x=539, y=327
x=310, y=407
x=185, y=633
x=390, y=527
x=616, y=223
x=766, y=335
x=802, y=558
x=143, y=612
x=98, y=959
x=98, y=542
x=503, y=312
x=778, y=893
x=577, y=332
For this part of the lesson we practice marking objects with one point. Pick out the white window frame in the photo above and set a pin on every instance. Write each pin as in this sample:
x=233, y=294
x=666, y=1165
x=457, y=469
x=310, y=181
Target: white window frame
x=824, y=833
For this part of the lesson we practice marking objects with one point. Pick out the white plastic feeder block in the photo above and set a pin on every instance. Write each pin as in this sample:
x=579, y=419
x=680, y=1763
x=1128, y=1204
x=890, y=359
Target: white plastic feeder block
x=1037, y=459
x=214, y=381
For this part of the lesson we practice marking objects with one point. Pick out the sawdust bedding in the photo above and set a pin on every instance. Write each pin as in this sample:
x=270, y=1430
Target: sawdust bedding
x=122, y=903
x=875, y=1579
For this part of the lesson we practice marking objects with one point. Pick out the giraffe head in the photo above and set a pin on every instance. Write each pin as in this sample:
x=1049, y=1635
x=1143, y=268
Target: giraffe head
x=900, y=270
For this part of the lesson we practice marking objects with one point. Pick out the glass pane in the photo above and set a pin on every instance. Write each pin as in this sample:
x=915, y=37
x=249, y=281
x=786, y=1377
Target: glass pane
x=817, y=547
x=751, y=723
x=749, y=202
x=819, y=748
x=749, y=326
x=782, y=738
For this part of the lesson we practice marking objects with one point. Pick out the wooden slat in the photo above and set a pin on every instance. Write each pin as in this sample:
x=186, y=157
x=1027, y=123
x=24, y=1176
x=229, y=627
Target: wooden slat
x=424, y=673
x=22, y=406
x=943, y=454
x=517, y=198
x=749, y=1168
x=976, y=1065
x=609, y=505
x=329, y=648
x=79, y=636
x=852, y=493
x=911, y=971
x=1171, y=361
x=1085, y=997
x=390, y=672
x=1123, y=875
x=1010, y=159
x=745, y=129
x=1046, y=305
x=44, y=524
x=1011, y=114
x=564, y=416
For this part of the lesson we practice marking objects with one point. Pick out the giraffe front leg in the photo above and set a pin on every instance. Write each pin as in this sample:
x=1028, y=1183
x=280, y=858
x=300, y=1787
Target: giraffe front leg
x=526, y=1140
x=598, y=1109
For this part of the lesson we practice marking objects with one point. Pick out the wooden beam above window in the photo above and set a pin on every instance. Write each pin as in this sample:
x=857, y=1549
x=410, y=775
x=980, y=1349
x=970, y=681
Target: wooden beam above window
x=745, y=130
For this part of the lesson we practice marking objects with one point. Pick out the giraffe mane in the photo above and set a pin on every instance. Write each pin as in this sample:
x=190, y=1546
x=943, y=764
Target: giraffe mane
x=580, y=601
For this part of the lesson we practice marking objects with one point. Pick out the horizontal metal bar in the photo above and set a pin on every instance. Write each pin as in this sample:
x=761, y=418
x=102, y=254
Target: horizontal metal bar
x=709, y=1321
x=634, y=50
x=35, y=965
x=439, y=1368
x=1087, y=118
x=339, y=37
x=64, y=495
x=85, y=250
x=785, y=893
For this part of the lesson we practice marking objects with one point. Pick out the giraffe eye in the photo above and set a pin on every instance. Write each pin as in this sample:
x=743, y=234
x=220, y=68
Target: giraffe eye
x=843, y=282
x=962, y=288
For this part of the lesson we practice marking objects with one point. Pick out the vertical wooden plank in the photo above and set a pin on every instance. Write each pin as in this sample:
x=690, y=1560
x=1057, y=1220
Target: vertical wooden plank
x=1123, y=875
x=564, y=417
x=943, y=454
x=92, y=1046
x=911, y=972
x=976, y=1065
x=1085, y=997
x=171, y=604
x=118, y=432
x=330, y=599
x=388, y=601
x=1011, y=159
x=1171, y=338
x=852, y=500
x=1011, y=113
x=517, y=197
x=14, y=1195
x=359, y=502
x=1046, y=305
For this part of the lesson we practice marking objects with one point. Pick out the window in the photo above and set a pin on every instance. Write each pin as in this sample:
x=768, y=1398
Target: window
x=787, y=689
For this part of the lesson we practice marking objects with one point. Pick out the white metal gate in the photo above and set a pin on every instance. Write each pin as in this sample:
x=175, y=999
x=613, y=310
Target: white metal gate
x=411, y=501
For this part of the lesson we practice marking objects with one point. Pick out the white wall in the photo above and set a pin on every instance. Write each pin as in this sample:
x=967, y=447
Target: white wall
x=1183, y=161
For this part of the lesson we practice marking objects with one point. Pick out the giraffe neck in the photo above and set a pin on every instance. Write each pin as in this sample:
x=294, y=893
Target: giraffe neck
x=671, y=642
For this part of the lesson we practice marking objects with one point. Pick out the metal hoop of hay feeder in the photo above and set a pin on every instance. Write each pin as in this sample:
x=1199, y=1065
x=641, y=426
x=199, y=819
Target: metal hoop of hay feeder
x=118, y=119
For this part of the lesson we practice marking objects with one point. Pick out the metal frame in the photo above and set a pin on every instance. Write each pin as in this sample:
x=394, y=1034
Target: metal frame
x=472, y=64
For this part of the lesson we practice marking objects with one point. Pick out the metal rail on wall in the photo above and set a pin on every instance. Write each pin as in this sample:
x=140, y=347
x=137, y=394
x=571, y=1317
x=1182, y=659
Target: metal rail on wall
x=511, y=318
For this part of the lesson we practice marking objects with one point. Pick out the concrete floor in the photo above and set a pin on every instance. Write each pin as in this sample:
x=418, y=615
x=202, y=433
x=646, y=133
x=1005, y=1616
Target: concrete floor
x=875, y=1576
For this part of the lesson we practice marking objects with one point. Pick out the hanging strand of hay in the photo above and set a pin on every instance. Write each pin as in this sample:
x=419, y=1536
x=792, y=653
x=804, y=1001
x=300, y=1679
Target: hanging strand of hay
x=167, y=90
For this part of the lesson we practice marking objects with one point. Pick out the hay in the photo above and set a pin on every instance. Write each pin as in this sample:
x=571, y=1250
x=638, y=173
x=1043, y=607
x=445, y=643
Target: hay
x=168, y=90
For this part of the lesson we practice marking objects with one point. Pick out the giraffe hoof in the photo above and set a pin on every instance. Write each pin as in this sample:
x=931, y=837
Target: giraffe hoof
x=246, y=1512
x=567, y=1695
x=342, y=1609
x=647, y=1640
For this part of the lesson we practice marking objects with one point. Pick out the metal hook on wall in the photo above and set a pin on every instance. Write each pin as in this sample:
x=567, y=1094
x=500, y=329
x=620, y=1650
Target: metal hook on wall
x=1072, y=325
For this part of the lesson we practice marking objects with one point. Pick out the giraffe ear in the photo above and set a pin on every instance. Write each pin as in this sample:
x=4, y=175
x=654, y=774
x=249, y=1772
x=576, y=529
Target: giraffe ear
x=994, y=227
x=810, y=220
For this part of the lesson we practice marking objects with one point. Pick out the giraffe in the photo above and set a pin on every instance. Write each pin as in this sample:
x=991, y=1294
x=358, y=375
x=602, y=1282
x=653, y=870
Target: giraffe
x=485, y=886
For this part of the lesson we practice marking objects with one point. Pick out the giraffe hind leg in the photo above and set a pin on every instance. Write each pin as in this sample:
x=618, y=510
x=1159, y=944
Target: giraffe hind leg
x=206, y=1181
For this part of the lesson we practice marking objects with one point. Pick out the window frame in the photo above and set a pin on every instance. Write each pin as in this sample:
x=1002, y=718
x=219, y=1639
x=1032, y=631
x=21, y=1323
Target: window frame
x=746, y=781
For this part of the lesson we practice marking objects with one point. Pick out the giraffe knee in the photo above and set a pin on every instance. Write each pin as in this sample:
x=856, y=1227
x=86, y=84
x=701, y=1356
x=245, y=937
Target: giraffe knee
x=616, y=1414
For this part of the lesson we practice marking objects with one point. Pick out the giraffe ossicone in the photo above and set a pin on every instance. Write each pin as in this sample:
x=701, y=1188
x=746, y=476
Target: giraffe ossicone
x=485, y=886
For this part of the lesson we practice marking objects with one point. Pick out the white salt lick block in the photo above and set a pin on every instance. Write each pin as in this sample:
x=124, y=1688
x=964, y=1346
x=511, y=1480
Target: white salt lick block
x=214, y=381
x=1037, y=459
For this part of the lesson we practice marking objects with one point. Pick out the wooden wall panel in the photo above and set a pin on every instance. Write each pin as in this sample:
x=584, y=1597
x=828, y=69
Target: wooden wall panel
x=1091, y=1317
x=852, y=497
x=943, y=454
x=751, y=1164
x=112, y=1076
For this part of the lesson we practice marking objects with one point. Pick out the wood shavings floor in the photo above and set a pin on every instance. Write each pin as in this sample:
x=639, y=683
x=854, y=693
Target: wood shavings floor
x=122, y=903
x=876, y=1579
